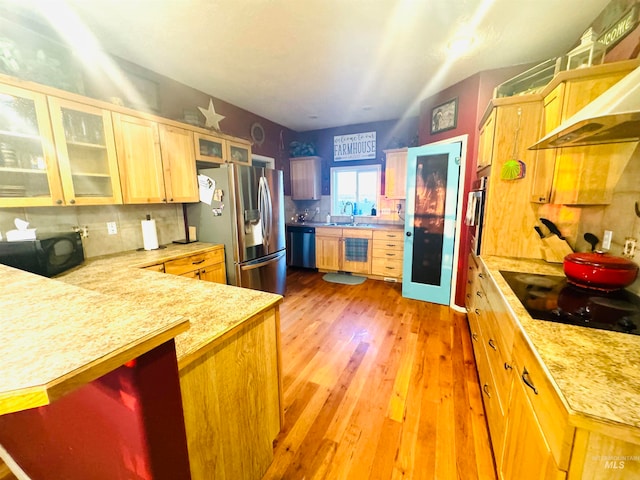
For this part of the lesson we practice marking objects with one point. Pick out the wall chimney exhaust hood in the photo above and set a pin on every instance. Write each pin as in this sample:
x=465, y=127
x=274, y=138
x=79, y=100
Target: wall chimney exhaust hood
x=613, y=117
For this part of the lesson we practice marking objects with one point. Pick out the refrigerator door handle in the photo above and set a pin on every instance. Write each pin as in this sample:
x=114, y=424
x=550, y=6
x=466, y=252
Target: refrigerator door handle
x=264, y=202
x=254, y=265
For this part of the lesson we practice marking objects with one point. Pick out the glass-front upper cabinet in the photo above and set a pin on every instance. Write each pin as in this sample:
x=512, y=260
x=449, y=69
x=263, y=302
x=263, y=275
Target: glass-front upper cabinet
x=86, y=153
x=28, y=169
x=239, y=153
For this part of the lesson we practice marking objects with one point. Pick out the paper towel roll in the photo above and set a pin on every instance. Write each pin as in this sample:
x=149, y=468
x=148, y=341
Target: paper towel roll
x=149, y=235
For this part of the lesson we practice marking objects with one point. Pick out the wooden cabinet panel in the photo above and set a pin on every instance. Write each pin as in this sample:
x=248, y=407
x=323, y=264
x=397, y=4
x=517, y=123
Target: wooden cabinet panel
x=485, y=141
x=29, y=175
x=327, y=252
x=509, y=214
x=194, y=262
x=216, y=273
x=395, y=174
x=238, y=152
x=548, y=408
x=159, y=267
x=597, y=456
x=306, y=178
x=237, y=383
x=139, y=159
x=579, y=175
x=86, y=153
x=387, y=253
x=208, y=148
x=179, y=164
x=527, y=456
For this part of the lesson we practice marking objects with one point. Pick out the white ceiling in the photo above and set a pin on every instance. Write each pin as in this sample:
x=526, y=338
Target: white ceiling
x=309, y=64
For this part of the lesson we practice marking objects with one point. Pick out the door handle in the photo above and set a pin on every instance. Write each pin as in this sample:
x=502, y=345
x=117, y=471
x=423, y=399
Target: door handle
x=408, y=234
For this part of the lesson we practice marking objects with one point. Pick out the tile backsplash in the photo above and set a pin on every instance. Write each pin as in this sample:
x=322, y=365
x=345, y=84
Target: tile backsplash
x=169, y=224
x=293, y=208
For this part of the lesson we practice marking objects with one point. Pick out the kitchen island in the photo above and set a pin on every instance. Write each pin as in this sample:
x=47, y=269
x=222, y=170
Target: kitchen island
x=580, y=387
x=228, y=361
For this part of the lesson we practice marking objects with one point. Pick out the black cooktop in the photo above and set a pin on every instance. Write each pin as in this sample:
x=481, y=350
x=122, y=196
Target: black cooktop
x=552, y=298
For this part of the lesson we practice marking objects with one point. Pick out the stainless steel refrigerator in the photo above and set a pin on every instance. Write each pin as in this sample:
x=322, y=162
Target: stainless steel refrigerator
x=246, y=215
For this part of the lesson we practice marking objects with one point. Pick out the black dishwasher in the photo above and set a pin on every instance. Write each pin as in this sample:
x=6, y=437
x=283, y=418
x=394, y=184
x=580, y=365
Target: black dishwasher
x=301, y=246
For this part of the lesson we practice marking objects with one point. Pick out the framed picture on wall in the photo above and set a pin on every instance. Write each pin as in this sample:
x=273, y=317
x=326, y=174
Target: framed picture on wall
x=444, y=116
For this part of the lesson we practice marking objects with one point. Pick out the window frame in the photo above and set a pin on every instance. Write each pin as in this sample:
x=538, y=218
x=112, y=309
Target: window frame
x=377, y=168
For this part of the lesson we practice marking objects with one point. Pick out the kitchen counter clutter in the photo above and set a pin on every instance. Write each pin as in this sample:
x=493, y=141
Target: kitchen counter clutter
x=575, y=396
x=228, y=360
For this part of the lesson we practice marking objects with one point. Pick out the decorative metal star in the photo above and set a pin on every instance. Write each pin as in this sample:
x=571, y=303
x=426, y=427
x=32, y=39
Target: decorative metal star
x=212, y=118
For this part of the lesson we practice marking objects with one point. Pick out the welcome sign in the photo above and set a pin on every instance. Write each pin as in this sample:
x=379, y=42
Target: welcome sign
x=357, y=146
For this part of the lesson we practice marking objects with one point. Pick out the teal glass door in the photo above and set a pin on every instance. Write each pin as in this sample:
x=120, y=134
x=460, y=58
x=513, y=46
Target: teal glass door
x=432, y=199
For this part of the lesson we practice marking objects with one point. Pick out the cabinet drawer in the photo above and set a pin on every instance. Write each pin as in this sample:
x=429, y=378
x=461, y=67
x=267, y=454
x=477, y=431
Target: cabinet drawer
x=388, y=235
x=386, y=253
x=388, y=244
x=328, y=232
x=548, y=408
x=356, y=233
x=386, y=267
x=194, y=262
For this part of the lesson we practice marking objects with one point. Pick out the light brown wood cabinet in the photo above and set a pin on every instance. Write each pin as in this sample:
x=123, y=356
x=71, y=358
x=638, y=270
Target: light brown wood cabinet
x=485, y=140
x=333, y=254
x=156, y=161
x=86, y=152
x=328, y=242
x=509, y=214
x=209, y=149
x=139, y=158
x=239, y=152
x=579, y=175
x=534, y=435
x=29, y=174
x=395, y=174
x=208, y=266
x=306, y=178
x=179, y=164
x=387, y=253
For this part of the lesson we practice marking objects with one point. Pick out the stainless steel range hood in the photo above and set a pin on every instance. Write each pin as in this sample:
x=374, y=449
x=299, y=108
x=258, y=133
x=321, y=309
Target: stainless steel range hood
x=613, y=117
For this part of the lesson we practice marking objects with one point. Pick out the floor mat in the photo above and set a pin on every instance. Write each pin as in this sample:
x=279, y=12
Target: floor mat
x=343, y=278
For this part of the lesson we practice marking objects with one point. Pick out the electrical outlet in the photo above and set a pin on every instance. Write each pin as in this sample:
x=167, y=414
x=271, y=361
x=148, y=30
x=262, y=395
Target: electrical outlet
x=112, y=228
x=606, y=240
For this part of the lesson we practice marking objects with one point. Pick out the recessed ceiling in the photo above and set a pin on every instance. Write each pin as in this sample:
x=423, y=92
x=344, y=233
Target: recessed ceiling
x=310, y=64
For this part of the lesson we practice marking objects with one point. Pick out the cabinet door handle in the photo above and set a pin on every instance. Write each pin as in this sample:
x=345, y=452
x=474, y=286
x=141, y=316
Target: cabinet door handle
x=391, y=254
x=492, y=344
x=477, y=310
x=481, y=275
x=527, y=381
x=72, y=201
x=474, y=336
x=485, y=388
x=58, y=202
x=507, y=366
x=479, y=294
x=198, y=262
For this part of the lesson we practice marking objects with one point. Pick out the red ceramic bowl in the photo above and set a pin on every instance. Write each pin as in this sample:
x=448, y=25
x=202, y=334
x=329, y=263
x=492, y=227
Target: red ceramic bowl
x=599, y=270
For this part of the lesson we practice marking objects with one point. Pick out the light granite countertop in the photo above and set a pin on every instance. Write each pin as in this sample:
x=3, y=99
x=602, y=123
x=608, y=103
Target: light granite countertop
x=597, y=372
x=70, y=330
x=211, y=308
x=58, y=336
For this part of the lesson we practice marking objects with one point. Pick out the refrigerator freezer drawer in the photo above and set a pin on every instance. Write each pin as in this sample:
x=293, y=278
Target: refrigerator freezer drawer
x=267, y=274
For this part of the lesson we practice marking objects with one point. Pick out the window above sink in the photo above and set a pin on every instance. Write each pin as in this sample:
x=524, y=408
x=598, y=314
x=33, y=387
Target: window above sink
x=355, y=189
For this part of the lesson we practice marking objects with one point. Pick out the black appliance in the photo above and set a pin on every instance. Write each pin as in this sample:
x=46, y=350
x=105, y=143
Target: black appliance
x=301, y=246
x=48, y=255
x=552, y=298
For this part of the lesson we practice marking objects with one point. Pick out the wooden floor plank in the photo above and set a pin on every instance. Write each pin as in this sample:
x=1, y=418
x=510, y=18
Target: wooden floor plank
x=376, y=386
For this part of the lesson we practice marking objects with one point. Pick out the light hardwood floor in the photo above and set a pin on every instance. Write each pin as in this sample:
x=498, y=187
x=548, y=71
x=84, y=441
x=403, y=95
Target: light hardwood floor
x=376, y=386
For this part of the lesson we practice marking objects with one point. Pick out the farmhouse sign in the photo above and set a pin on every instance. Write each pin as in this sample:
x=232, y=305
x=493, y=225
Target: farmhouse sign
x=357, y=146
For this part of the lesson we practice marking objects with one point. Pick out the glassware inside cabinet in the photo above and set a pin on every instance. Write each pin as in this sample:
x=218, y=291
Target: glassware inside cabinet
x=87, y=153
x=23, y=171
